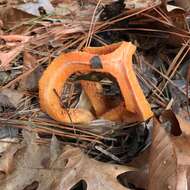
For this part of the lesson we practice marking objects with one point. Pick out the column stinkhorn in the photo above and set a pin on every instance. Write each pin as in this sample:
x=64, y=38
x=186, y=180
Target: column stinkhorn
x=115, y=59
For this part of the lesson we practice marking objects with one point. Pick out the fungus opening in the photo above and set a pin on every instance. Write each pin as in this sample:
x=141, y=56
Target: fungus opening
x=97, y=92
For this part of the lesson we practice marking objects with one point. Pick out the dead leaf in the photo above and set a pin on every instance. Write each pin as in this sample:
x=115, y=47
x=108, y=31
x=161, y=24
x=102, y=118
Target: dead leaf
x=33, y=7
x=169, y=156
x=185, y=4
x=8, y=133
x=29, y=166
x=15, y=38
x=67, y=7
x=7, y=150
x=9, y=97
x=6, y=58
x=138, y=179
x=97, y=175
x=7, y=159
x=12, y=17
x=31, y=81
x=17, y=41
x=84, y=102
x=1, y=24
x=135, y=4
x=76, y=10
x=6, y=143
x=135, y=179
x=4, y=101
x=55, y=149
x=171, y=8
x=1, y=27
x=177, y=15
